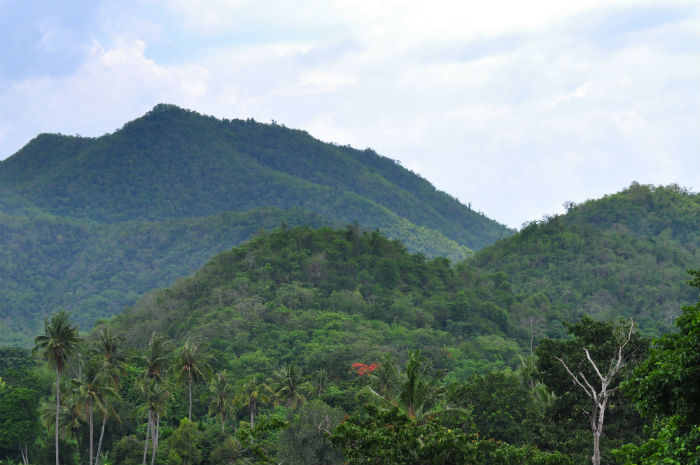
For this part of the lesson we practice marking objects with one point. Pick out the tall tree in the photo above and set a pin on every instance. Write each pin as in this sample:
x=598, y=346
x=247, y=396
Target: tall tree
x=221, y=397
x=155, y=361
x=601, y=396
x=289, y=386
x=59, y=342
x=92, y=393
x=601, y=354
x=251, y=394
x=192, y=367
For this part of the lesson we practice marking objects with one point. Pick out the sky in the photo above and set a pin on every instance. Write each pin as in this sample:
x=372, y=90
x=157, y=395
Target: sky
x=512, y=107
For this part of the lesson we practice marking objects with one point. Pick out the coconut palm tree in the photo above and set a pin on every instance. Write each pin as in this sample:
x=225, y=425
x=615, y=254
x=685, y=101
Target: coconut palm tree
x=155, y=359
x=221, y=397
x=59, y=342
x=289, y=385
x=191, y=367
x=92, y=393
x=251, y=394
x=109, y=349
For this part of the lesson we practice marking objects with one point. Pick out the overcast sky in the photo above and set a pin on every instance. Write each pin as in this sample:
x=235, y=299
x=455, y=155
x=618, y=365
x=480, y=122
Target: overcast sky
x=512, y=106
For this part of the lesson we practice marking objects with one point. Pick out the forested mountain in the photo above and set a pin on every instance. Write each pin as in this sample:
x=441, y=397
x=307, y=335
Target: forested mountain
x=331, y=297
x=624, y=255
x=176, y=163
x=88, y=224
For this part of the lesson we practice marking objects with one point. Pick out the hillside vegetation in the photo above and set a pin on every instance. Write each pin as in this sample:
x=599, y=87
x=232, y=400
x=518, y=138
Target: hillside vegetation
x=89, y=224
x=331, y=297
x=624, y=255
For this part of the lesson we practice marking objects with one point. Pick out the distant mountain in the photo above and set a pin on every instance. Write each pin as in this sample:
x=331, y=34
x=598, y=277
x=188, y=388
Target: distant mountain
x=624, y=255
x=88, y=224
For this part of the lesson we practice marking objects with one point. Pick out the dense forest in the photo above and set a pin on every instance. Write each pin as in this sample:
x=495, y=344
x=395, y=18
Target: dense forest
x=324, y=346
x=189, y=290
x=624, y=255
x=89, y=224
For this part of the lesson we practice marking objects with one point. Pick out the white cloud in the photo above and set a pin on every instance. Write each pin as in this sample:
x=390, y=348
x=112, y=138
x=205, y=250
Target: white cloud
x=513, y=106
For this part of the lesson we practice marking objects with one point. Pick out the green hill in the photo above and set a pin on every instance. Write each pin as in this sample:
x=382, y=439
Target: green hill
x=624, y=255
x=88, y=224
x=328, y=298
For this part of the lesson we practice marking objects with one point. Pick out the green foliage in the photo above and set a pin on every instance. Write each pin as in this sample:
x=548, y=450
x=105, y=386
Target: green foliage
x=19, y=421
x=182, y=445
x=391, y=437
x=305, y=440
x=567, y=426
x=666, y=386
x=624, y=255
x=90, y=224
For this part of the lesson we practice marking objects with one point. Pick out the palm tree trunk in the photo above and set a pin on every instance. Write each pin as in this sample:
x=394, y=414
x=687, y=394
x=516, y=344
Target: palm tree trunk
x=99, y=443
x=155, y=439
x=58, y=407
x=92, y=457
x=253, y=408
x=148, y=428
x=189, y=376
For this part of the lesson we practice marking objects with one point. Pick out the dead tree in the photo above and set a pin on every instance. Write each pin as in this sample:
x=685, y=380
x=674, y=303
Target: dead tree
x=601, y=396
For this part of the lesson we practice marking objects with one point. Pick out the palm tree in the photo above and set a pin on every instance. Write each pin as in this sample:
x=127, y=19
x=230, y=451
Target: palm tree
x=108, y=348
x=155, y=361
x=222, y=398
x=59, y=342
x=251, y=394
x=289, y=386
x=192, y=367
x=320, y=379
x=93, y=393
x=421, y=389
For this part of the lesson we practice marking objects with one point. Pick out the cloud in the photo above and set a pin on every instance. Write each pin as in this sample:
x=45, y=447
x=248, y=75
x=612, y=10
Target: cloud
x=514, y=107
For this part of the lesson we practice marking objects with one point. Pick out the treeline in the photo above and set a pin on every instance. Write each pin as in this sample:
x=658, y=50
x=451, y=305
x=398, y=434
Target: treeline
x=171, y=405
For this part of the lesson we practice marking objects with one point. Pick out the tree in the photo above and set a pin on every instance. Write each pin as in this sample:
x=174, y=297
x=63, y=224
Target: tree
x=182, y=444
x=92, y=393
x=290, y=387
x=600, y=353
x=155, y=361
x=19, y=421
x=666, y=386
x=108, y=348
x=59, y=342
x=304, y=441
x=600, y=397
x=251, y=394
x=221, y=397
x=192, y=367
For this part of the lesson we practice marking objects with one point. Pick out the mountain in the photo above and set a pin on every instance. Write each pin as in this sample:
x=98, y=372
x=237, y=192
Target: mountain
x=88, y=224
x=329, y=298
x=624, y=255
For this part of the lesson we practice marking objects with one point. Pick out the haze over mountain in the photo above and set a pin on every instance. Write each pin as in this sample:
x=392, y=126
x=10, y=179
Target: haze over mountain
x=90, y=223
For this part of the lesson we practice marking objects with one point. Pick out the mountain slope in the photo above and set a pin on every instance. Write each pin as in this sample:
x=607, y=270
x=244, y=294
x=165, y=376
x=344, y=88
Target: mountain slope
x=624, y=255
x=177, y=163
x=88, y=224
x=328, y=298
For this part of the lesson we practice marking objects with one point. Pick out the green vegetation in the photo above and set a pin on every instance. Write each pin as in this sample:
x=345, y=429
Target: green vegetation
x=621, y=256
x=332, y=346
x=91, y=224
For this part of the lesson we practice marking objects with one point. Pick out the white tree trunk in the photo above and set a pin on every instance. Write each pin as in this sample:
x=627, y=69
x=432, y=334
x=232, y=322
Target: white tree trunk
x=99, y=443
